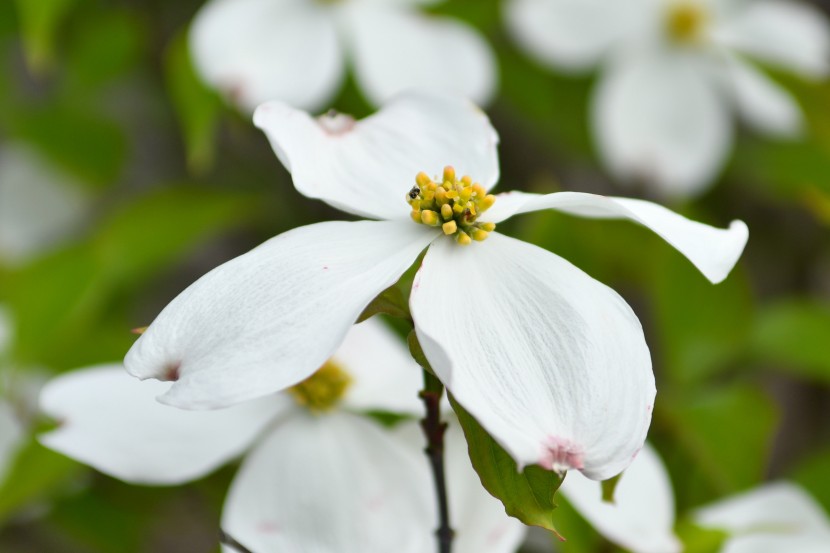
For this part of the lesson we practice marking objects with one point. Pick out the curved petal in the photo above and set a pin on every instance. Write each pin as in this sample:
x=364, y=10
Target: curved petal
x=269, y=318
x=815, y=542
x=641, y=518
x=397, y=49
x=780, y=507
x=111, y=421
x=367, y=167
x=11, y=435
x=712, y=250
x=573, y=34
x=794, y=35
x=551, y=362
x=331, y=484
x=38, y=204
x=384, y=375
x=660, y=120
x=762, y=102
x=255, y=51
x=478, y=518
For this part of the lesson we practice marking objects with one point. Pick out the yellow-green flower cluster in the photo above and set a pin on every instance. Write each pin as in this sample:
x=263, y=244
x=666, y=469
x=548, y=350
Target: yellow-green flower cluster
x=324, y=389
x=686, y=21
x=452, y=204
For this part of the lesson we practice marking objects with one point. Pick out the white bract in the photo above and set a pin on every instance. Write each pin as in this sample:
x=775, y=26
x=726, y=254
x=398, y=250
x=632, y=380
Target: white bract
x=11, y=430
x=38, y=204
x=296, y=50
x=674, y=72
x=551, y=362
x=319, y=476
x=773, y=518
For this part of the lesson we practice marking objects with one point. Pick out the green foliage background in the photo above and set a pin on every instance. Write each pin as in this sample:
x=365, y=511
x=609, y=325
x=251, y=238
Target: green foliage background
x=181, y=182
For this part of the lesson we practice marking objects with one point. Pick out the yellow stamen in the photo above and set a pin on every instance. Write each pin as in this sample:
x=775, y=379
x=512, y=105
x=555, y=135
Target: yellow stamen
x=324, y=389
x=454, y=204
x=686, y=21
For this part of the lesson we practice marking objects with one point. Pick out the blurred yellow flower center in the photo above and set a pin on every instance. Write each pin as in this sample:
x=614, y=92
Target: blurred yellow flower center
x=452, y=204
x=686, y=21
x=323, y=390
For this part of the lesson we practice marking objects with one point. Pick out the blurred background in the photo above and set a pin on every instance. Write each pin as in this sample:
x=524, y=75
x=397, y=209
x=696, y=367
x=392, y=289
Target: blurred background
x=123, y=178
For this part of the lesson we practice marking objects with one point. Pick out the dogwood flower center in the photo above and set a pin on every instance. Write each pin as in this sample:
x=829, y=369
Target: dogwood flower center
x=452, y=204
x=686, y=21
x=323, y=390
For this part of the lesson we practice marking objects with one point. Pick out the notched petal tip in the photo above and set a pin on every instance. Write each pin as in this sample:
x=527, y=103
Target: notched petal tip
x=561, y=455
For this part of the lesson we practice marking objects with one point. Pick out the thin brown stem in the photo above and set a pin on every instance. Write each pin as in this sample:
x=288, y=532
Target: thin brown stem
x=434, y=431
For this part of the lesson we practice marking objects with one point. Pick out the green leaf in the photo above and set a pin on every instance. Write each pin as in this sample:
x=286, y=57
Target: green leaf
x=792, y=336
x=527, y=495
x=198, y=108
x=700, y=540
x=36, y=474
x=39, y=22
x=812, y=474
x=726, y=436
x=702, y=327
x=391, y=301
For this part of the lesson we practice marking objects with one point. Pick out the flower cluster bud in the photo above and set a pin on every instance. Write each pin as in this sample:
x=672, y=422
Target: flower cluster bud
x=453, y=204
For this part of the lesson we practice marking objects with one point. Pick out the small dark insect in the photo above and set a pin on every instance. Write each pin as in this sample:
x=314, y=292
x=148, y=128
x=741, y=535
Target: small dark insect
x=414, y=192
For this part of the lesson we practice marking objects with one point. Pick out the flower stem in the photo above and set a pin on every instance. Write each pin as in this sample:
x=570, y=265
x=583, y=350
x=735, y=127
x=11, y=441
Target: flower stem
x=226, y=539
x=434, y=432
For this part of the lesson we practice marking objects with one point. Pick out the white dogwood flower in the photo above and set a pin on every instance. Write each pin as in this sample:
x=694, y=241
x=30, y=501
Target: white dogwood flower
x=296, y=50
x=318, y=476
x=38, y=204
x=551, y=362
x=674, y=72
x=778, y=517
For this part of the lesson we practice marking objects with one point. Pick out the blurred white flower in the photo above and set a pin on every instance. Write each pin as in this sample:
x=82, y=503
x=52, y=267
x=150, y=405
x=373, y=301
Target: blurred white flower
x=38, y=204
x=318, y=477
x=551, y=362
x=674, y=72
x=296, y=50
x=11, y=429
x=773, y=518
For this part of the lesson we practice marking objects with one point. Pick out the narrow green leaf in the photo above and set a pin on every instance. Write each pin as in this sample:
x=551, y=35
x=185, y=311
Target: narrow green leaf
x=391, y=301
x=198, y=108
x=609, y=487
x=527, y=495
x=39, y=22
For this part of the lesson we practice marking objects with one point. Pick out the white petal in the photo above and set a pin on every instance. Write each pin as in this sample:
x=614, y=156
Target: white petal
x=111, y=421
x=780, y=507
x=368, y=168
x=641, y=519
x=791, y=34
x=478, y=518
x=260, y=50
x=762, y=102
x=384, y=375
x=11, y=434
x=815, y=542
x=573, y=34
x=551, y=362
x=659, y=120
x=712, y=250
x=332, y=484
x=269, y=318
x=38, y=204
x=397, y=49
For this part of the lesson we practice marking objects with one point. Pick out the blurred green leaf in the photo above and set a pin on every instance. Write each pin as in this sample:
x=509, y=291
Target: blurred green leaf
x=85, y=143
x=526, y=495
x=792, y=337
x=812, y=473
x=36, y=475
x=198, y=108
x=700, y=540
x=146, y=235
x=702, y=327
x=106, y=44
x=39, y=22
x=609, y=487
x=726, y=435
